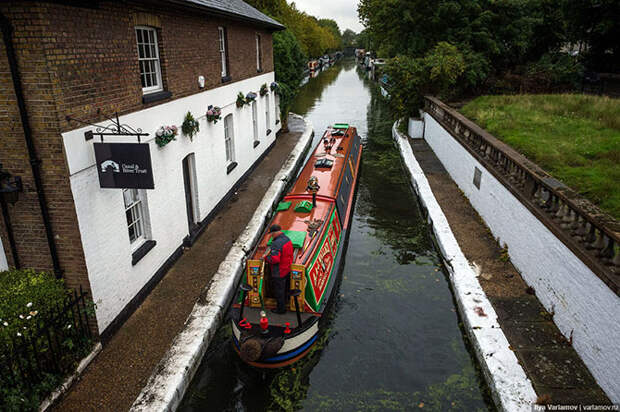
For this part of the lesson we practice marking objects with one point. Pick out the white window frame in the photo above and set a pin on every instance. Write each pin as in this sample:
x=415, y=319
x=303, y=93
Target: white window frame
x=222, y=46
x=259, y=65
x=267, y=116
x=137, y=217
x=255, y=120
x=229, y=138
x=155, y=59
x=276, y=103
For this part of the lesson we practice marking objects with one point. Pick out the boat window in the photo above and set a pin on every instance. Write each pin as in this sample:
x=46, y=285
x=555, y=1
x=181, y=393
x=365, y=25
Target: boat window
x=324, y=163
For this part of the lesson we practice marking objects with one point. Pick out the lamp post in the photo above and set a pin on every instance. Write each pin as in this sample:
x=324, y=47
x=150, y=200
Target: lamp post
x=10, y=186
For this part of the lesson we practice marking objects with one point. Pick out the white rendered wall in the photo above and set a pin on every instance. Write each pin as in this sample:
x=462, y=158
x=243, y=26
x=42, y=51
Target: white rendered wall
x=3, y=263
x=584, y=306
x=101, y=217
x=415, y=128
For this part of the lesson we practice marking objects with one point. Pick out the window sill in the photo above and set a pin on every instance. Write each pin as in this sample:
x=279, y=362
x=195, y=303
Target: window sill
x=142, y=251
x=268, y=132
x=226, y=79
x=156, y=96
x=230, y=167
x=256, y=143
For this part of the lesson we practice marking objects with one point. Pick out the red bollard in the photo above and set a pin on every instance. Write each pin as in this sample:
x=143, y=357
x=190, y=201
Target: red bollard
x=287, y=330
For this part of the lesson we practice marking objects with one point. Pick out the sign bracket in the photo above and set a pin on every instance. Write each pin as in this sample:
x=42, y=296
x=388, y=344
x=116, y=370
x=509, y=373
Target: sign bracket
x=115, y=129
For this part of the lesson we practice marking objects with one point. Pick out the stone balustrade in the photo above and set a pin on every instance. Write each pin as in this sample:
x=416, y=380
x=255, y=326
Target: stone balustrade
x=590, y=234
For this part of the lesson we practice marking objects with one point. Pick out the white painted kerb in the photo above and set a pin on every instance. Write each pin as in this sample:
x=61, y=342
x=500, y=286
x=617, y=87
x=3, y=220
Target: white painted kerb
x=510, y=386
x=168, y=383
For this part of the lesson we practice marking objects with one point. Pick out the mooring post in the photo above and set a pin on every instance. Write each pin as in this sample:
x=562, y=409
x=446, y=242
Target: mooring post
x=245, y=288
x=295, y=293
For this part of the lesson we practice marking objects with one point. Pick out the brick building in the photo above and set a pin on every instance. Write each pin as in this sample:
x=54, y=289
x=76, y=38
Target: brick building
x=68, y=65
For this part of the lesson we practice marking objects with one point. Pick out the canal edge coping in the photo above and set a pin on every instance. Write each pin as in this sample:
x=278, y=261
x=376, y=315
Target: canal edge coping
x=510, y=387
x=171, y=377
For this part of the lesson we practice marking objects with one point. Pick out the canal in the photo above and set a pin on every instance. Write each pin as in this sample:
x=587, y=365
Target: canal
x=394, y=340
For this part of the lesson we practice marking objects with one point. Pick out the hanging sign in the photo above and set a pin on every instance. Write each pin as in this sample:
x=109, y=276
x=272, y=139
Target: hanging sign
x=124, y=165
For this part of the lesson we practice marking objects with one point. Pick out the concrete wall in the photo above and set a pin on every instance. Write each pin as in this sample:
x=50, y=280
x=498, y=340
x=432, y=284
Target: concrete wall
x=585, y=308
x=101, y=217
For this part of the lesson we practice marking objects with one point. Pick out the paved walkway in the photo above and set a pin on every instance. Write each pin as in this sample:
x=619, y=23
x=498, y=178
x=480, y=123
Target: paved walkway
x=556, y=371
x=118, y=374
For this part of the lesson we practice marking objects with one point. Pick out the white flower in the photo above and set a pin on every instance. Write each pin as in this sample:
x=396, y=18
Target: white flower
x=19, y=334
x=29, y=304
x=6, y=323
x=28, y=317
x=21, y=316
x=34, y=312
x=68, y=326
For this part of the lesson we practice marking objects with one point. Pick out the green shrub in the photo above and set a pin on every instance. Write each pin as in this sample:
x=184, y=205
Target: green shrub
x=32, y=302
x=25, y=297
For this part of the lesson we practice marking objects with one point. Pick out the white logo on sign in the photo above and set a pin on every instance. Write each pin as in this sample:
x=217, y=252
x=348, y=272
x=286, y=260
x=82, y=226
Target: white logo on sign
x=110, y=166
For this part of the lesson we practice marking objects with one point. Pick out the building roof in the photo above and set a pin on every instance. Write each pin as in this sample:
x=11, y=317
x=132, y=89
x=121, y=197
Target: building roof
x=236, y=9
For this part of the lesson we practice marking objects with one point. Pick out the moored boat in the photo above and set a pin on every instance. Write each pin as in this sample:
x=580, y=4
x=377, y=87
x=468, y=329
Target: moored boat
x=315, y=214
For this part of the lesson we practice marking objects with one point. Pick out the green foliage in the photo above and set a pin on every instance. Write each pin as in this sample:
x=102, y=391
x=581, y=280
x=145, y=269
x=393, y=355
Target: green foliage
x=29, y=300
x=349, y=38
x=288, y=63
x=316, y=37
x=574, y=137
x=500, y=37
x=190, y=126
x=412, y=78
x=23, y=294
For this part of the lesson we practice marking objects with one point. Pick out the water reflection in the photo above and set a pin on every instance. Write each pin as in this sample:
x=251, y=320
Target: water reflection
x=393, y=341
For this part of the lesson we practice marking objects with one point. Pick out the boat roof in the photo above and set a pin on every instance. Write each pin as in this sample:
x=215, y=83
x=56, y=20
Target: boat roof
x=340, y=137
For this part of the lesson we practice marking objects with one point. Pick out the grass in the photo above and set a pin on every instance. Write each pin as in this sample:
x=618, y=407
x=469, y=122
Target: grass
x=576, y=138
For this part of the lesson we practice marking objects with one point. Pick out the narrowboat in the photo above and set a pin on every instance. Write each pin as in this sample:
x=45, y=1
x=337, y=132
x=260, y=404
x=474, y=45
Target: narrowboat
x=314, y=65
x=315, y=214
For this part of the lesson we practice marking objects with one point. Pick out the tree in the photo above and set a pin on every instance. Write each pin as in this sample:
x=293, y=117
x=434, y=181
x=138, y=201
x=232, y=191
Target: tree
x=288, y=62
x=349, y=38
x=435, y=73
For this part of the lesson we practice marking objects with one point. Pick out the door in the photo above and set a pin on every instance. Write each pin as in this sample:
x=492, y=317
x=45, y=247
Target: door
x=189, y=178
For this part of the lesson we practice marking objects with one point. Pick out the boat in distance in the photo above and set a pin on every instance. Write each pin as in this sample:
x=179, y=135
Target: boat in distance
x=315, y=214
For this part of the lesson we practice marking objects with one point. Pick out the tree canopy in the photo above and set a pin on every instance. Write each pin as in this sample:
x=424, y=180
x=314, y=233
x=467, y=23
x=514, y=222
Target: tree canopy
x=315, y=36
x=505, y=45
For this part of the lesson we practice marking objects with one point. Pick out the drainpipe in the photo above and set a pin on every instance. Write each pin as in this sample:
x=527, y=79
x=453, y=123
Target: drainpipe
x=35, y=162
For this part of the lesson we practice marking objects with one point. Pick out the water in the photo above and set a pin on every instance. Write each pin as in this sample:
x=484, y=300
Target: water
x=393, y=341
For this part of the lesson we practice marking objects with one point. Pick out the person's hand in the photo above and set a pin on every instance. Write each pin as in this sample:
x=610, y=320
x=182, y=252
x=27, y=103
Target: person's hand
x=267, y=252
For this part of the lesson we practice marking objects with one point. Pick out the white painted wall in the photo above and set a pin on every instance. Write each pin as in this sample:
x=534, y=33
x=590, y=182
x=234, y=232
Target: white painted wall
x=3, y=263
x=582, y=303
x=415, y=128
x=103, y=228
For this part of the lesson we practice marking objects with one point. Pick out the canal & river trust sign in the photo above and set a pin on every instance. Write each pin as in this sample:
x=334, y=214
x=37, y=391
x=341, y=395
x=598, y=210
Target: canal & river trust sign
x=124, y=165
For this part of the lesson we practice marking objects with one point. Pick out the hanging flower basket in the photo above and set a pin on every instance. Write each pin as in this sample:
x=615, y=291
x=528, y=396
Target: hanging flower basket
x=214, y=113
x=190, y=126
x=263, y=90
x=250, y=97
x=240, y=100
x=165, y=134
x=274, y=87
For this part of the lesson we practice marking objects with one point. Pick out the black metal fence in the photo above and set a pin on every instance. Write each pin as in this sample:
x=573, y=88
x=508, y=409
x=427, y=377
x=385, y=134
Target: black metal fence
x=607, y=84
x=53, y=347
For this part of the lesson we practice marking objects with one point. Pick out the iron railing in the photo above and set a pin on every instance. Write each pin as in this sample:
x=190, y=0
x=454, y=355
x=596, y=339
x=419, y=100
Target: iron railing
x=52, y=347
x=590, y=234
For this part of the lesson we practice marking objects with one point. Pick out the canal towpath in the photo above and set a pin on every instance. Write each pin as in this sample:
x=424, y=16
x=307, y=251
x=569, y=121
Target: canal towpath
x=117, y=375
x=557, y=373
